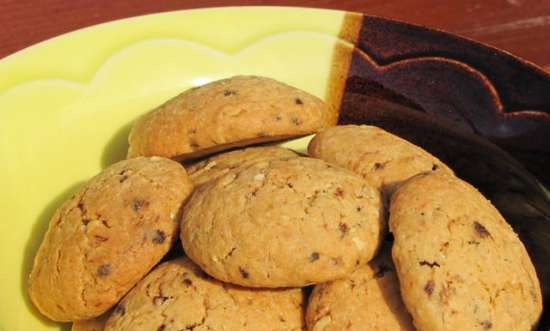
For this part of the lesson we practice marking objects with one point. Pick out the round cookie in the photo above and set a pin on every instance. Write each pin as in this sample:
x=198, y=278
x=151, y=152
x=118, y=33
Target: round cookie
x=237, y=111
x=217, y=165
x=177, y=295
x=460, y=265
x=108, y=235
x=94, y=324
x=368, y=299
x=385, y=160
x=282, y=223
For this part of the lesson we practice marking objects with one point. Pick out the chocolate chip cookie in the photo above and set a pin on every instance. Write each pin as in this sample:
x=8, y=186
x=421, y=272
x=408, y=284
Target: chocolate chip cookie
x=368, y=299
x=460, y=265
x=282, y=223
x=237, y=111
x=107, y=237
x=382, y=158
x=177, y=295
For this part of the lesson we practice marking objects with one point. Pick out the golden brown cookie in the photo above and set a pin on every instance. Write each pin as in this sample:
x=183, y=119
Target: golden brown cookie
x=107, y=237
x=282, y=223
x=460, y=265
x=237, y=111
x=95, y=324
x=368, y=299
x=382, y=158
x=177, y=295
x=219, y=164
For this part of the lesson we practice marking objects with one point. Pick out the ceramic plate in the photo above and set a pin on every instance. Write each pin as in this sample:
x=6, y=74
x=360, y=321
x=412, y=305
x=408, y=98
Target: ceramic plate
x=66, y=104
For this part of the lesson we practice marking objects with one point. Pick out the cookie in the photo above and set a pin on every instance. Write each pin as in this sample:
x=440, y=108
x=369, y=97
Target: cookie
x=368, y=299
x=95, y=324
x=217, y=165
x=382, y=158
x=460, y=265
x=177, y=295
x=282, y=223
x=237, y=111
x=107, y=236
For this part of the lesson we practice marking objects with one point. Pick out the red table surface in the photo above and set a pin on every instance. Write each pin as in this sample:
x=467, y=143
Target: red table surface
x=521, y=27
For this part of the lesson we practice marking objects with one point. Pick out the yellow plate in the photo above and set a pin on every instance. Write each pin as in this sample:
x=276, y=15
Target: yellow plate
x=66, y=106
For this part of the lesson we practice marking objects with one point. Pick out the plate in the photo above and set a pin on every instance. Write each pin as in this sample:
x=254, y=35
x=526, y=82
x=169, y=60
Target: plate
x=66, y=105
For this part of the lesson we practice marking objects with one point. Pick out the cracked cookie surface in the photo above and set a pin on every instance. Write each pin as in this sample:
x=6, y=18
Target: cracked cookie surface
x=368, y=299
x=383, y=159
x=102, y=240
x=217, y=165
x=460, y=265
x=177, y=295
x=237, y=111
x=282, y=223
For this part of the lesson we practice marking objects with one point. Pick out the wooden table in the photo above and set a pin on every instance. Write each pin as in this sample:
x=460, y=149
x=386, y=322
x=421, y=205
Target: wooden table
x=518, y=26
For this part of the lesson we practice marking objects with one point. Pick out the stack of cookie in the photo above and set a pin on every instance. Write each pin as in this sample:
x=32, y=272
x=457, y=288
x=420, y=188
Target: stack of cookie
x=260, y=225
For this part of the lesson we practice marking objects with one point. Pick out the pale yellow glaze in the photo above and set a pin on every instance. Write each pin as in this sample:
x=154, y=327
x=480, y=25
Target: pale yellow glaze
x=66, y=106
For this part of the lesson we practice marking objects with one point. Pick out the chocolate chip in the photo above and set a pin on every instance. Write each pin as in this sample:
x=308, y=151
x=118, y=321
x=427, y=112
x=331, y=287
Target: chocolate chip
x=289, y=185
x=162, y=327
x=230, y=252
x=434, y=167
x=159, y=237
x=254, y=192
x=343, y=229
x=120, y=310
x=138, y=204
x=486, y=325
x=244, y=273
x=429, y=264
x=382, y=269
x=298, y=101
x=124, y=176
x=339, y=192
x=296, y=121
x=359, y=208
x=378, y=166
x=229, y=92
x=188, y=282
x=473, y=242
x=314, y=257
x=481, y=230
x=429, y=287
x=104, y=270
x=278, y=118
